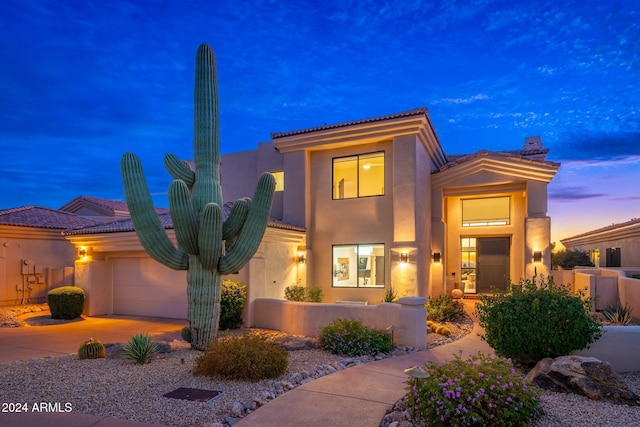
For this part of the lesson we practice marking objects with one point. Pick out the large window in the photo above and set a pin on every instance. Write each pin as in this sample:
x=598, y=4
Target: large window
x=490, y=211
x=358, y=176
x=469, y=255
x=279, y=177
x=358, y=266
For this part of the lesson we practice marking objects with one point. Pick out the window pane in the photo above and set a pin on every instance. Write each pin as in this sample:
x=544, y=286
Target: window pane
x=485, y=212
x=371, y=179
x=279, y=176
x=345, y=176
x=358, y=266
x=345, y=266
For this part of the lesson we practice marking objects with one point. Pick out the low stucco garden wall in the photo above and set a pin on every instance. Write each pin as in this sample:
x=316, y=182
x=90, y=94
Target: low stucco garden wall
x=618, y=345
x=407, y=317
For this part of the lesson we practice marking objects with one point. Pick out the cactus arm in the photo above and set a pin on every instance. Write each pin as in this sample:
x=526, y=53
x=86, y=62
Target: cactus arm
x=253, y=229
x=185, y=222
x=210, y=241
x=144, y=217
x=237, y=216
x=179, y=169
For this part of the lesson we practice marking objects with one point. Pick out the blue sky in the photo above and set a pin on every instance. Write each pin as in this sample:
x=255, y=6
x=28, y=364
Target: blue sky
x=85, y=81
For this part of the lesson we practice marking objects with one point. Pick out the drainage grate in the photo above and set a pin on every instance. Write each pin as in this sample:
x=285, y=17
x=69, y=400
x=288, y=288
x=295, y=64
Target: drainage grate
x=195, y=394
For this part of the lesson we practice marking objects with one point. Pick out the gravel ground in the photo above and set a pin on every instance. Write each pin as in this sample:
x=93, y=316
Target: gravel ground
x=118, y=388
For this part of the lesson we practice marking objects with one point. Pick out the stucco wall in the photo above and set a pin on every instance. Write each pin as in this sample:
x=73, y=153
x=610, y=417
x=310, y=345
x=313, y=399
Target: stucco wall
x=51, y=258
x=346, y=221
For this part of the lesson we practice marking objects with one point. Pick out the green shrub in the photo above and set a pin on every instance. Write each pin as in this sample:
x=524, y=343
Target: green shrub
x=478, y=391
x=300, y=293
x=232, y=300
x=185, y=333
x=618, y=314
x=390, y=295
x=537, y=321
x=444, y=308
x=349, y=337
x=140, y=349
x=92, y=349
x=570, y=259
x=313, y=294
x=246, y=357
x=635, y=276
x=294, y=293
x=65, y=302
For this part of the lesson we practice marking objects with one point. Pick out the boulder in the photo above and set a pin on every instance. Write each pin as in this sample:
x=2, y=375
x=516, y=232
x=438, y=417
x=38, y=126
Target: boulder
x=587, y=376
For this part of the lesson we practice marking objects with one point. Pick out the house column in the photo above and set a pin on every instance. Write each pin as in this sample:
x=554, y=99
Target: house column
x=405, y=254
x=93, y=277
x=438, y=243
x=537, y=230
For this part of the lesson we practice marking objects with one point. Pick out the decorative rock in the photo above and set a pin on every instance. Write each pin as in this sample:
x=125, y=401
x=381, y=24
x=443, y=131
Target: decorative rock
x=456, y=294
x=236, y=409
x=587, y=376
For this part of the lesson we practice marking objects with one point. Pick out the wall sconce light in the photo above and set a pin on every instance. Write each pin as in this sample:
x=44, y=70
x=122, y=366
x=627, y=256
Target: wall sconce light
x=301, y=255
x=82, y=252
x=437, y=257
x=404, y=258
x=537, y=257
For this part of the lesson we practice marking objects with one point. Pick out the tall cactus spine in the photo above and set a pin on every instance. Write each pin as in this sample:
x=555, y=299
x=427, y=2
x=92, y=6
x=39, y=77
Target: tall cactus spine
x=208, y=246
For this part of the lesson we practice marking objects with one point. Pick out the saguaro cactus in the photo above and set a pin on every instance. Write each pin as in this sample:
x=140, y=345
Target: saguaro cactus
x=208, y=247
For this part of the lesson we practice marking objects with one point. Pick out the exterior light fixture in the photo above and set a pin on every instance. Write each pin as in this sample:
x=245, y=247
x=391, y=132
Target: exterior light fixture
x=404, y=257
x=437, y=257
x=301, y=254
x=82, y=252
x=537, y=257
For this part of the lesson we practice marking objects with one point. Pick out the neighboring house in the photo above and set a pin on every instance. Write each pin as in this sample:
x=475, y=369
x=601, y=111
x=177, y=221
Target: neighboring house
x=617, y=245
x=102, y=210
x=34, y=255
x=384, y=206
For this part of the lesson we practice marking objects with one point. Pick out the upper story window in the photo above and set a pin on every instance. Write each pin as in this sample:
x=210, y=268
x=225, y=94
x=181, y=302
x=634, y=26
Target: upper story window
x=358, y=176
x=279, y=176
x=489, y=211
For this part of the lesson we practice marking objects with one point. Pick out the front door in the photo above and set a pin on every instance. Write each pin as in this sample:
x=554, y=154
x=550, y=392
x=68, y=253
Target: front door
x=493, y=264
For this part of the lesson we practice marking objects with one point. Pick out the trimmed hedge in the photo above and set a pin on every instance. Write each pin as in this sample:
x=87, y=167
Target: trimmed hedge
x=65, y=302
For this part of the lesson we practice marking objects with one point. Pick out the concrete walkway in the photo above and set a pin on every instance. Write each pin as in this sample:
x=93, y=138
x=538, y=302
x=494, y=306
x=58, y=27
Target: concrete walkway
x=357, y=396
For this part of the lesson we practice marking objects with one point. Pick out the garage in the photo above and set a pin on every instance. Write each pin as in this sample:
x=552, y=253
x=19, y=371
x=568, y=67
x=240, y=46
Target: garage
x=144, y=287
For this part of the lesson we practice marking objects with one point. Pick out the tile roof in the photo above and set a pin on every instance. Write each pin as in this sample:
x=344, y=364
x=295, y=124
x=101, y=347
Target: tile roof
x=523, y=155
x=165, y=219
x=112, y=206
x=409, y=113
x=611, y=227
x=40, y=217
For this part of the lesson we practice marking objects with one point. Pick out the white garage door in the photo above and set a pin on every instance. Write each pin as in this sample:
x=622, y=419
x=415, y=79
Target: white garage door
x=144, y=287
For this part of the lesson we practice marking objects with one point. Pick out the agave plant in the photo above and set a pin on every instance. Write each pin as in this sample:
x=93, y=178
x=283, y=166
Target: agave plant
x=618, y=314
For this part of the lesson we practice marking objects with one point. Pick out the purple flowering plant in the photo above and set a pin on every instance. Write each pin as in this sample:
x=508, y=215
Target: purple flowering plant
x=479, y=391
x=350, y=337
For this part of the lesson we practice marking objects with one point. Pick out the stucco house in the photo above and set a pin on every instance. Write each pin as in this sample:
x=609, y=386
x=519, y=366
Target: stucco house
x=617, y=245
x=359, y=207
x=383, y=205
x=34, y=256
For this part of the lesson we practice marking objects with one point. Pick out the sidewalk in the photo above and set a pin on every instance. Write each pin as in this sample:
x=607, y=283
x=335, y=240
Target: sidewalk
x=353, y=397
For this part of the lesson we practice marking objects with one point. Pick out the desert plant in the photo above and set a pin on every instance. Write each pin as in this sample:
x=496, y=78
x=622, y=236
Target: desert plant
x=444, y=308
x=570, y=259
x=245, y=357
x=537, y=320
x=294, y=293
x=208, y=246
x=443, y=330
x=91, y=349
x=140, y=349
x=350, y=337
x=478, y=391
x=618, y=314
x=300, y=293
x=390, y=295
x=313, y=294
x=185, y=333
x=233, y=298
x=65, y=302
x=635, y=276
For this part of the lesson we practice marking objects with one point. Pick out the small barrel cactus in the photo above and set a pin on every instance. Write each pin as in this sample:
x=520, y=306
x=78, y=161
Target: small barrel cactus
x=92, y=349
